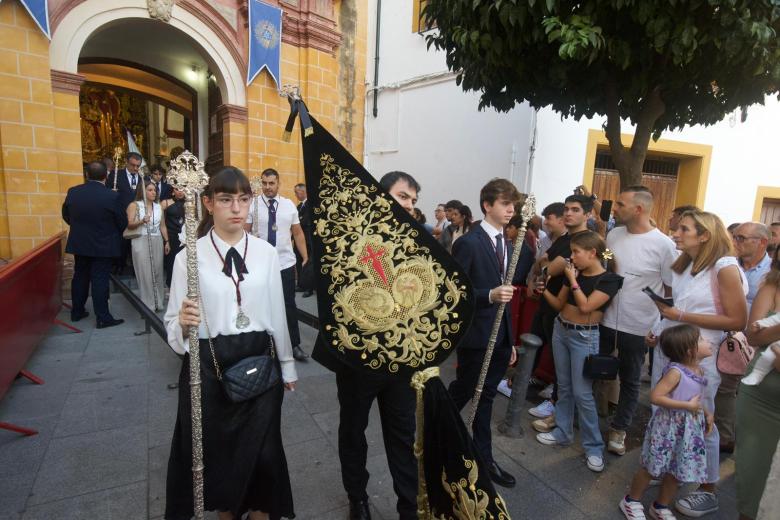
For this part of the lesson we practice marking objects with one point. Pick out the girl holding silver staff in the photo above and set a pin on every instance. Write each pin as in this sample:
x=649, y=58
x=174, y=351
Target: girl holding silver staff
x=242, y=323
x=146, y=214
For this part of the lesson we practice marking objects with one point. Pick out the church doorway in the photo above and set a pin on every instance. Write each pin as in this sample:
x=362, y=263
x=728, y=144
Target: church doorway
x=151, y=83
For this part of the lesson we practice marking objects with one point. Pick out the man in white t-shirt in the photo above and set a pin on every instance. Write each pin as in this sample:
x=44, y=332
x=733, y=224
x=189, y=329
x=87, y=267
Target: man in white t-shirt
x=278, y=223
x=644, y=256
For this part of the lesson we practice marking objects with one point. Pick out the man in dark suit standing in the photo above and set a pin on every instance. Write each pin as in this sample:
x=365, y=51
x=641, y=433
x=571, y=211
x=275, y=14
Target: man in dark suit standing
x=484, y=254
x=304, y=215
x=96, y=219
x=127, y=181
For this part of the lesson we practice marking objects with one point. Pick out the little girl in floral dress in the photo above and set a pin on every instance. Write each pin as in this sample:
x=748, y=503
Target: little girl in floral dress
x=673, y=448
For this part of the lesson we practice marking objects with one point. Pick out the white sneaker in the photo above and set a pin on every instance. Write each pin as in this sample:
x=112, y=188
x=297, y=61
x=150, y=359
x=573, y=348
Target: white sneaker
x=632, y=510
x=661, y=513
x=547, y=392
x=503, y=388
x=594, y=462
x=548, y=439
x=546, y=409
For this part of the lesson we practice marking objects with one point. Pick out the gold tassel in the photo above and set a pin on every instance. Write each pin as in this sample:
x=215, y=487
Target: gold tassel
x=287, y=136
x=418, y=383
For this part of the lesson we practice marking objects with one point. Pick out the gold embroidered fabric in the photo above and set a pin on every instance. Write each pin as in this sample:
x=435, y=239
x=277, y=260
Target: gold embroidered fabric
x=470, y=502
x=394, y=302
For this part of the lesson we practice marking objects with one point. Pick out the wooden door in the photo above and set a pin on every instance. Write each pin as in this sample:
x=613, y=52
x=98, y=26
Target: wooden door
x=770, y=211
x=606, y=184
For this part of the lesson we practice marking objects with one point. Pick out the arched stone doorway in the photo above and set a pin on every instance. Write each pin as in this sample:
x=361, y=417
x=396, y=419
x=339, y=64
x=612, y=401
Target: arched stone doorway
x=181, y=68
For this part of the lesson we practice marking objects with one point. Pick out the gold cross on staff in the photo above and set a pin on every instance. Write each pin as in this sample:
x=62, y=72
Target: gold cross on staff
x=187, y=174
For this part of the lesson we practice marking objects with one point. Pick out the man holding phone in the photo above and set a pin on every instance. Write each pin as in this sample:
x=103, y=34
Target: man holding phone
x=644, y=256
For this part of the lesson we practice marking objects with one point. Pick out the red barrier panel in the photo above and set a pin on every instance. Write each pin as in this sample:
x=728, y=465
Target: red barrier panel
x=30, y=298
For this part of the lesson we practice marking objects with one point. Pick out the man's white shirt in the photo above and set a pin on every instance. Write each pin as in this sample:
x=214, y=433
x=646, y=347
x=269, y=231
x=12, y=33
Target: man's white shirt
x=286, y=217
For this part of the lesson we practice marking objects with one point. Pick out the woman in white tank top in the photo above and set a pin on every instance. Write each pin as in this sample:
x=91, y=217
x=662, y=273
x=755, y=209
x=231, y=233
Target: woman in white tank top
x=149, y=248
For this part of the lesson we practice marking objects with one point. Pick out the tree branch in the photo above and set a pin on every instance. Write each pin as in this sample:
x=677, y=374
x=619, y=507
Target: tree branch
x=620, y=155
x=653, y=109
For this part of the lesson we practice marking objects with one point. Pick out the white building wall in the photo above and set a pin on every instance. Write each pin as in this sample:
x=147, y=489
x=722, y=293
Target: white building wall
x=429, y=127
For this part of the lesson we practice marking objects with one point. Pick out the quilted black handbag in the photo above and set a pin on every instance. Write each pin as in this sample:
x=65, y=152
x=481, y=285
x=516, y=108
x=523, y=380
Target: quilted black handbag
x=249, y=377
x=599, y=366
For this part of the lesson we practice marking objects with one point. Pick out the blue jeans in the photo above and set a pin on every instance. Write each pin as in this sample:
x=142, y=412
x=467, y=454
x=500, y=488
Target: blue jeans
x=570, y=348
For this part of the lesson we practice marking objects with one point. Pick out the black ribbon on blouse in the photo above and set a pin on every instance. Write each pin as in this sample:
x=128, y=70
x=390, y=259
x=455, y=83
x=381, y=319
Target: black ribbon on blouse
x=234, y=258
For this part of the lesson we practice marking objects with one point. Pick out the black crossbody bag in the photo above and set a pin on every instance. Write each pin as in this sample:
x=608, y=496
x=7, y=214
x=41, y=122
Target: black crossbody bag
x=249, y=377
x=604, y=367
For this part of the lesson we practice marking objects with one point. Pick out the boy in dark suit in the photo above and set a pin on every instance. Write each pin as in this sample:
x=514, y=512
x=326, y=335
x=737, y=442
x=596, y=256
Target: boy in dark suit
x=484, y=254
x=96, y=221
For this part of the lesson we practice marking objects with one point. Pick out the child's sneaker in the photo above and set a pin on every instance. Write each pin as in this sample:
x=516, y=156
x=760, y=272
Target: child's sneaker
x=632, y=509
x=504, y=388
x=661, y=513
x=547, y=392
x=545, y=409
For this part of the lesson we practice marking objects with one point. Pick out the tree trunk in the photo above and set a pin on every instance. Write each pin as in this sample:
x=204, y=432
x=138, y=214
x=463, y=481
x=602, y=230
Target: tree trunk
x=629, y=162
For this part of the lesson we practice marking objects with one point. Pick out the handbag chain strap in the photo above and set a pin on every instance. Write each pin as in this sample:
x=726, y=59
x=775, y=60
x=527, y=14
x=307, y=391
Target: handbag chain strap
x=208, y=333
x=202, y=308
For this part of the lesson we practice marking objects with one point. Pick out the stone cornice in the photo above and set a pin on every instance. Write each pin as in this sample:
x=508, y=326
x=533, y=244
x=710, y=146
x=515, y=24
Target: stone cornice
x=233, y=113
x=304, y=27
x=66, y=82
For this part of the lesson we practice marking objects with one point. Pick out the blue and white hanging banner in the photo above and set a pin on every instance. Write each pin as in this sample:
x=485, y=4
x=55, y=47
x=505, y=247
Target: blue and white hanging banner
x=39, y=10
x=265, y=40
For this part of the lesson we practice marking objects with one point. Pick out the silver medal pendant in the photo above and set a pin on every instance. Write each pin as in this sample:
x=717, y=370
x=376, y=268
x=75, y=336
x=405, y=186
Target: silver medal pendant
x=242, y=320
x=274, y=227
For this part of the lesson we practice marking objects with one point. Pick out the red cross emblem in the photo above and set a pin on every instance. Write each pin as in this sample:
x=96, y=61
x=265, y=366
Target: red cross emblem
x=374, y=257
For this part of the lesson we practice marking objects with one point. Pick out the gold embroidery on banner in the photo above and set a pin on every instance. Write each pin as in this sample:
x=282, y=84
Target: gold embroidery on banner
x=469, y=502
x=393, y=302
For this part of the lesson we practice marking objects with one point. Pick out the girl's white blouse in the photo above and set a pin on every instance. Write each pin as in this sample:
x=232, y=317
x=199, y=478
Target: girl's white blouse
x=262, y=299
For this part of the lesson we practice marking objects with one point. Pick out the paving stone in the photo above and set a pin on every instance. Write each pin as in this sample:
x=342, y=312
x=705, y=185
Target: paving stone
x=91, y=462
x=23, y=454
x=104, y=410
x=158, y=469
x=14, y=491
x=119, y=503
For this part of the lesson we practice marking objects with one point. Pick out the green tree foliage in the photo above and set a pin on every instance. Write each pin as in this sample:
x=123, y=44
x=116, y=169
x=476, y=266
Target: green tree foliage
x=660, y=64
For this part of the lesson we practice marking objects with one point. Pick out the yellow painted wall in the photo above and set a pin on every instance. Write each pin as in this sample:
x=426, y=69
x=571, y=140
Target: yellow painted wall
x=40, y=136
x=316, y=72
x=38, y=160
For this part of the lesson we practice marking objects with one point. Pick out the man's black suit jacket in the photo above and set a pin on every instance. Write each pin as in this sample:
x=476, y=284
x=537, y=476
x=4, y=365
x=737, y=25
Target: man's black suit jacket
x=96, y=218
x=126, y=192
x=304, y=215
x=474, y=251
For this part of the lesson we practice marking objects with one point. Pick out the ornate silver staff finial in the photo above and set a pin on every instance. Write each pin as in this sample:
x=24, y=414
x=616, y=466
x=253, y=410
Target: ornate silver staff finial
x=188, y=175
